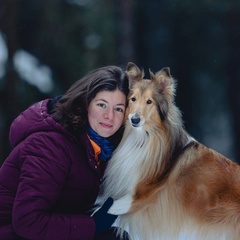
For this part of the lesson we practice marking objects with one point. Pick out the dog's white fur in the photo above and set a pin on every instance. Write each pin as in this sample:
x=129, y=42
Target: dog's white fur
x=166, y=185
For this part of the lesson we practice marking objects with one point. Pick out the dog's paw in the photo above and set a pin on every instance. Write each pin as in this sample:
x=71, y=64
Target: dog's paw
x=121, y=206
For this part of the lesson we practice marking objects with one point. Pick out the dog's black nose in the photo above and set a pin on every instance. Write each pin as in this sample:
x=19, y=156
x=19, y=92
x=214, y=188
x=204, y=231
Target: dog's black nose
x=135, y=120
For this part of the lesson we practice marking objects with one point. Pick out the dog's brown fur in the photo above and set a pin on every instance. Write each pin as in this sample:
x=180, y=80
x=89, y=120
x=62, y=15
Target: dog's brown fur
x=165, y=184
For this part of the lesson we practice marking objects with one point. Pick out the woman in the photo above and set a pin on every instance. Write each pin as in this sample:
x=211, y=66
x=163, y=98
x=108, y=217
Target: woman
x=51, y=179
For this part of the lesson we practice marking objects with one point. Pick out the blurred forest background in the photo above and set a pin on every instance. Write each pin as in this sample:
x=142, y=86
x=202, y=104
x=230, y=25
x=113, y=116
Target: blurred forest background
x=45, y=46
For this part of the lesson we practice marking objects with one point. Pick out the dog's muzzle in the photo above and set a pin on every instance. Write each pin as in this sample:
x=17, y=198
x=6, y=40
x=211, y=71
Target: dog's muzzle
x=135, y=120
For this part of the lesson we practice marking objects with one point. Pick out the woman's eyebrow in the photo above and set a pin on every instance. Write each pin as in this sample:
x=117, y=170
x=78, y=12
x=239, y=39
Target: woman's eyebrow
x=100, y=99
x=118, y=104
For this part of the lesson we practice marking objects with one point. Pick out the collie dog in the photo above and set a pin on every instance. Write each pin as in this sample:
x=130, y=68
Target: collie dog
x=165, y=184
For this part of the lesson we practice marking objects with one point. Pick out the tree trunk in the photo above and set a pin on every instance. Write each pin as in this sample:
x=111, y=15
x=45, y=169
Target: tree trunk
x=9, y=95
x=233, y=75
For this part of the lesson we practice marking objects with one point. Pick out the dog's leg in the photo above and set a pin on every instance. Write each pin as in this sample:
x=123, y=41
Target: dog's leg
x=121, y=206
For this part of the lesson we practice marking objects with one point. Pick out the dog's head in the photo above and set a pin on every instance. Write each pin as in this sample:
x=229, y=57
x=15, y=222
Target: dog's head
x=149, y=100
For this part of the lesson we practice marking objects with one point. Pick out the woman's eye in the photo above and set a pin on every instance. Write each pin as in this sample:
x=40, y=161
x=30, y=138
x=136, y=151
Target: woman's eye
x=102, y=105
x=149, y=101
x=119, y=109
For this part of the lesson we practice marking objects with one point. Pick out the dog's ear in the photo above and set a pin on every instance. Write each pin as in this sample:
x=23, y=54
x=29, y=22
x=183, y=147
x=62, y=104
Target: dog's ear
x=134, y=73
x=164, y=81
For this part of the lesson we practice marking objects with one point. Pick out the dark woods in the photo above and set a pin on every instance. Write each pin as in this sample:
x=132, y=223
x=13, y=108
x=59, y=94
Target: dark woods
x=59, y=41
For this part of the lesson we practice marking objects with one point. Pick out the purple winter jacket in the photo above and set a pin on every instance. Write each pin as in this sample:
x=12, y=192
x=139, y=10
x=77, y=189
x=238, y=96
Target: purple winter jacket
x=48, y=182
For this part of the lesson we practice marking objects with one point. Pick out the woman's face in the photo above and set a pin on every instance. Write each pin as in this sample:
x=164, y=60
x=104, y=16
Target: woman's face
x=106, y=112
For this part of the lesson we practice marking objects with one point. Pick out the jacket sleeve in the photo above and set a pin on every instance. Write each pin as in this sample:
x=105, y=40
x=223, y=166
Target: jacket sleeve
x=44, y=169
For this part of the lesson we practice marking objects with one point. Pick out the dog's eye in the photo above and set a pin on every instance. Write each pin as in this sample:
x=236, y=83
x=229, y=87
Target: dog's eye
x=133, y=99
x=149, y=101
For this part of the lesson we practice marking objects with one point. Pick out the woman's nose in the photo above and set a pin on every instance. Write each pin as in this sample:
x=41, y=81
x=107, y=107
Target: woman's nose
x=109, y=114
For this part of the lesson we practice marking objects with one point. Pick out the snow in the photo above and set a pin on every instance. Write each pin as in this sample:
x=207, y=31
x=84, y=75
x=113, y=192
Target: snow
x=32, y=71
x=28, y=67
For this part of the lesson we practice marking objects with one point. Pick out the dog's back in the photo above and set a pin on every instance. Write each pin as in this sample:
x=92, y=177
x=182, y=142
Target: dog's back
x=165, y=184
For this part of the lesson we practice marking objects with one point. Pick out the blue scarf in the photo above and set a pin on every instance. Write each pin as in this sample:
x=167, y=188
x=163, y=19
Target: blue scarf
x=104, y=143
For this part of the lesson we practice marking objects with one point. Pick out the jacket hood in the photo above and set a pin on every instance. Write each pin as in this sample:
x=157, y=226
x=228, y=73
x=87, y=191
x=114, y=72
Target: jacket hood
x=34, y=119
